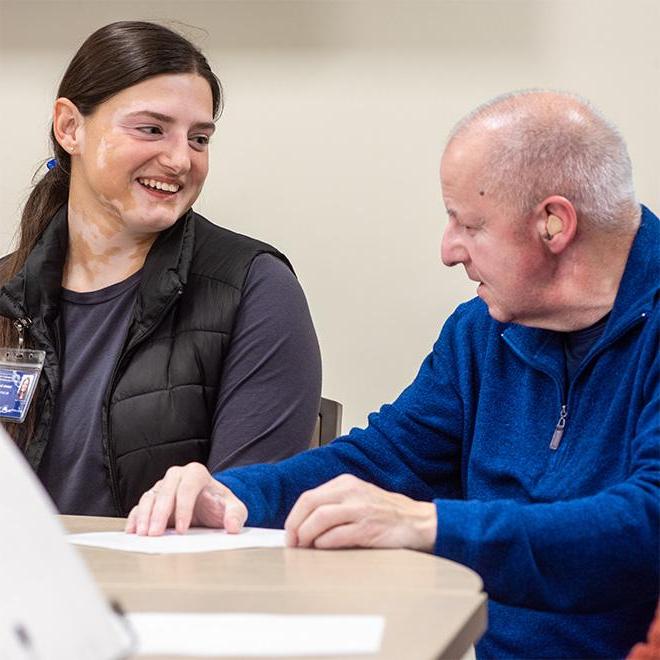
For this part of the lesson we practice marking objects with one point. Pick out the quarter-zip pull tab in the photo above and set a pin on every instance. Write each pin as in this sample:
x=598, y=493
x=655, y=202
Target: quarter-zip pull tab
x=559, y=429
x=20, y=325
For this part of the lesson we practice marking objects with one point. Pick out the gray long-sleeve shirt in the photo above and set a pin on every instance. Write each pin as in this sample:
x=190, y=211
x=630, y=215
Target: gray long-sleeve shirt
x=269, y=395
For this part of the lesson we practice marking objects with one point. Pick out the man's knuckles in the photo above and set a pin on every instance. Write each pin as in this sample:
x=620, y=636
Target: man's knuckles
x=326, y=516
x=349, y=483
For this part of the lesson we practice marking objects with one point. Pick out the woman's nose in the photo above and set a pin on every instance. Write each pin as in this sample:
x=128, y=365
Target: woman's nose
x=176, y=156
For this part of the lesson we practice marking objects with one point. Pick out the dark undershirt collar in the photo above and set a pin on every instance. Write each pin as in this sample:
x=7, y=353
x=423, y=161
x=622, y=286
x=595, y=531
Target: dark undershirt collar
x=579, y=342
x=102, y=295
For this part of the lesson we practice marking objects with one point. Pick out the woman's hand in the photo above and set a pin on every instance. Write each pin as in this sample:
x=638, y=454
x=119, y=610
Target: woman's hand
x=186, y=496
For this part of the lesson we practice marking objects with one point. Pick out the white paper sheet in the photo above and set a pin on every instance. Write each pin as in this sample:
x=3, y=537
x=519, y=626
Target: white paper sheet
x=195, y=540
x=253, y=635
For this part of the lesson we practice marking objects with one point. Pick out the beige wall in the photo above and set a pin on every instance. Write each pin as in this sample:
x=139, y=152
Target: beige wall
x=329, y=147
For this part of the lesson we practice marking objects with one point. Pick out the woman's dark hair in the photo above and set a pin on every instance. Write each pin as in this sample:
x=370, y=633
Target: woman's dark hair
x=110, y=60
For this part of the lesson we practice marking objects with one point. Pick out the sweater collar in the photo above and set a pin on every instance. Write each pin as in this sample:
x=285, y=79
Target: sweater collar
x=641, y=278
x=635, y=299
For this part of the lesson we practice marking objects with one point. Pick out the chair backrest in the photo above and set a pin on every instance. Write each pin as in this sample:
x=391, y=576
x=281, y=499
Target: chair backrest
x=328, y=423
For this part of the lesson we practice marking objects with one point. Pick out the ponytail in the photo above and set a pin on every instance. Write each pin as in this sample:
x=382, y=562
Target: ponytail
x=48, y=195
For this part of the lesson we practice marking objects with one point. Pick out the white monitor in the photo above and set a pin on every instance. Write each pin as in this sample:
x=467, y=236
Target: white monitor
x=50, y=607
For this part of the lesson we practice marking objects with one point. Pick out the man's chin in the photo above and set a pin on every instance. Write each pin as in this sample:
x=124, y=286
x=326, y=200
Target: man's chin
x=494, y=310
x=499, y=314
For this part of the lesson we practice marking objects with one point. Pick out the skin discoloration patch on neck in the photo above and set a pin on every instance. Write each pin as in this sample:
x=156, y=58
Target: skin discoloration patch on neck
x=100, y=253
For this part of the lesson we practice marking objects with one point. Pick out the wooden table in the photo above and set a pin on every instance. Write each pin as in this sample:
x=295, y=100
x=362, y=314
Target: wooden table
x=434, y=608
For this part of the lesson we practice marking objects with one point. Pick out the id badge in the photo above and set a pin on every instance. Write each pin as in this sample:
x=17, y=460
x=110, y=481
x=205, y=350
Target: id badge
x=20, y=369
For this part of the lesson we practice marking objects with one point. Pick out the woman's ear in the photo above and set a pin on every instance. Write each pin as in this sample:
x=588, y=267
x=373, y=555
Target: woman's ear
x=67, y=125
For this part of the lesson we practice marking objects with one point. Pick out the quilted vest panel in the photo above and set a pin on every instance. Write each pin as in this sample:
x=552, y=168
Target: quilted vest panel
x=163, y=395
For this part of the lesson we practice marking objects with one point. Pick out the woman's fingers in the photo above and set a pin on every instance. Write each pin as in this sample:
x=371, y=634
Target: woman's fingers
x=181, y=497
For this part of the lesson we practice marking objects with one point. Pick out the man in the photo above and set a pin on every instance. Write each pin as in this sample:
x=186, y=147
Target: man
x=527, y=447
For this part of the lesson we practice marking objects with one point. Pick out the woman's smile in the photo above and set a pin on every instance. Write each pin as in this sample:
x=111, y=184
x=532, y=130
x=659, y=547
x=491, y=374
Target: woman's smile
x=159, y=185
x=162, y=144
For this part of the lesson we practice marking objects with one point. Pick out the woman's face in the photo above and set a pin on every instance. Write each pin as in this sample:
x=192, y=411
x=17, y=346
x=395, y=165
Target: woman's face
x=139, y=161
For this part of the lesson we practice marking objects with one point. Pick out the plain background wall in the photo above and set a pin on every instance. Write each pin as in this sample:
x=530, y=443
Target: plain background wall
x=329, y=146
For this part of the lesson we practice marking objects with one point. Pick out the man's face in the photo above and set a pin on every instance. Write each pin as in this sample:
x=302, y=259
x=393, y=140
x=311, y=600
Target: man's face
x=503, y=253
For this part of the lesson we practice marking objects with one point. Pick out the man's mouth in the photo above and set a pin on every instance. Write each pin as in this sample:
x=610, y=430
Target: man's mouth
x=161, y=186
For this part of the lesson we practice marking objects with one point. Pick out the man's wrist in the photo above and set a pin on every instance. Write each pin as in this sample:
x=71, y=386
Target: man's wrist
x=425, y=526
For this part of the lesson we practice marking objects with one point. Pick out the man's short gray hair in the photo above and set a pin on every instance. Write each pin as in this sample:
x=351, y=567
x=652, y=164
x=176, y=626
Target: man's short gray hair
x=546, y=143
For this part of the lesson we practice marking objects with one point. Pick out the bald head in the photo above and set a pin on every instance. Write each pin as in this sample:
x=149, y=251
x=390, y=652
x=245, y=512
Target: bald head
x=528, y=146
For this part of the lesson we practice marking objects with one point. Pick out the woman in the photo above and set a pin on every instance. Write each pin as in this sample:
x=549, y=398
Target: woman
x=23, y=388
x=167, y=338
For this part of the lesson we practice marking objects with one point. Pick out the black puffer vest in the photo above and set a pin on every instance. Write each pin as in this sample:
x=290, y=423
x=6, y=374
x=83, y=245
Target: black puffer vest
x=161, y=397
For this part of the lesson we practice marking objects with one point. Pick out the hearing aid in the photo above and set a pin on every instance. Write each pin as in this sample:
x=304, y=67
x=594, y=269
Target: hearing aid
x=553, y=226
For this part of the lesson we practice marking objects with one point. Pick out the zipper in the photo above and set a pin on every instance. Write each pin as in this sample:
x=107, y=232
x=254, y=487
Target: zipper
x=105, y=432
x=561, y=388
x=21, y=325
x=558, y=433
x=559, y=428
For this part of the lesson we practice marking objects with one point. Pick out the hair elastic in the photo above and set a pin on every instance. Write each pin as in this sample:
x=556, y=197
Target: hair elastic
x=52, y=163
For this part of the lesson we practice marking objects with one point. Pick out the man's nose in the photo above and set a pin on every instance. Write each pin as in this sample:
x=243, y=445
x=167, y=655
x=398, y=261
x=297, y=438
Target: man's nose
x=452, y=250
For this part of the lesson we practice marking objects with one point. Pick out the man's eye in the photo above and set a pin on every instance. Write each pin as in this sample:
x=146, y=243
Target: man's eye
x=150, y=130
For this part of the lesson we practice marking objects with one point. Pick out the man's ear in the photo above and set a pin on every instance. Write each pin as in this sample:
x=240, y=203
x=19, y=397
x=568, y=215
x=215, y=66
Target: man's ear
x=67, y=125
x=556, y=222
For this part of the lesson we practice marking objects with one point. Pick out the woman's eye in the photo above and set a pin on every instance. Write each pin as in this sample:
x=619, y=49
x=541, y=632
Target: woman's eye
x=150, y=130
x=200, y=140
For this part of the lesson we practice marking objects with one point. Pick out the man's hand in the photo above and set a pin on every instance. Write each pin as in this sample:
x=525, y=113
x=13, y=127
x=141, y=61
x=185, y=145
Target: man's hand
x=347, y=512
x=186, y=496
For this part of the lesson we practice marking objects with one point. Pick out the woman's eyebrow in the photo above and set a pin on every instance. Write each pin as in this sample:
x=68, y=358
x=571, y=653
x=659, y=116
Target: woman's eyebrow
x=207, y=125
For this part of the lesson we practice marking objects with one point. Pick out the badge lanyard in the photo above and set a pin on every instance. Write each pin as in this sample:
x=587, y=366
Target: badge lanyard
x=20, y=369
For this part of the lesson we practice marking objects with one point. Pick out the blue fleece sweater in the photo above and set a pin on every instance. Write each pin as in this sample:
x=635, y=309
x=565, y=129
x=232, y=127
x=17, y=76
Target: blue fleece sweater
x=566, y=540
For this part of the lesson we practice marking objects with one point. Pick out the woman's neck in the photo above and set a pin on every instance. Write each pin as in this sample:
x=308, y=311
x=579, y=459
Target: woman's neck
x=101, y=252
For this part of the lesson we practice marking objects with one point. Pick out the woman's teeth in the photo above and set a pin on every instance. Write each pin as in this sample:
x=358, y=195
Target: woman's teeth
x=160, y=185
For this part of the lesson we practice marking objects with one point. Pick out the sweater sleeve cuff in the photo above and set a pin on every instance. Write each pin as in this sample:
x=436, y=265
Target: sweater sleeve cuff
x=256, y=514
x=458, y=530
